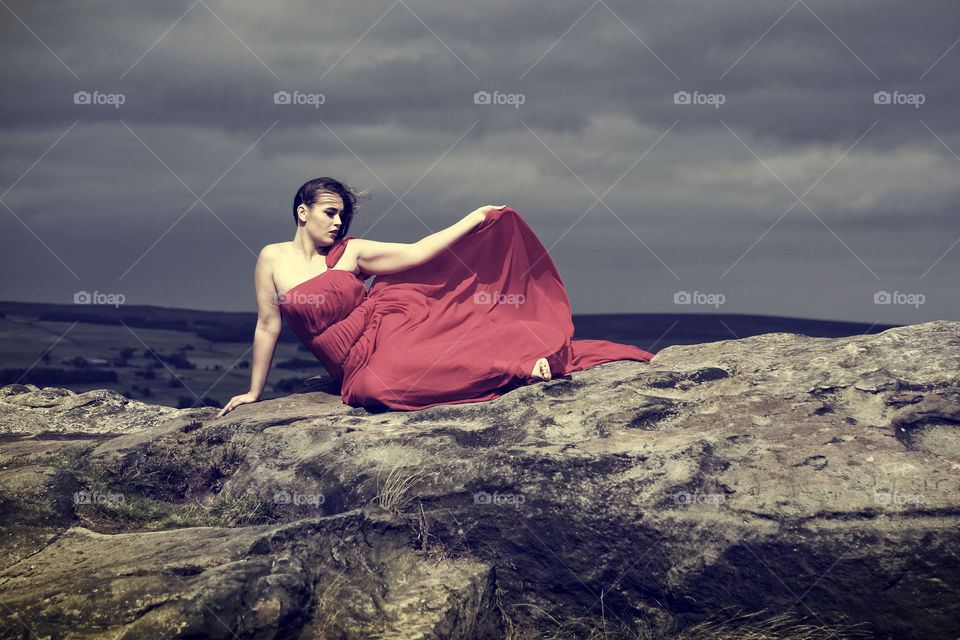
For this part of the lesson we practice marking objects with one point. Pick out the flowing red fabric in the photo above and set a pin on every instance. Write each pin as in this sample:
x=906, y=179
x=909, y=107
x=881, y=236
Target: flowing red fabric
x=467, y=326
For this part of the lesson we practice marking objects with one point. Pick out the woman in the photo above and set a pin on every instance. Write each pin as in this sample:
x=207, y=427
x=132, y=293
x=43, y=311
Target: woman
x=462, y=315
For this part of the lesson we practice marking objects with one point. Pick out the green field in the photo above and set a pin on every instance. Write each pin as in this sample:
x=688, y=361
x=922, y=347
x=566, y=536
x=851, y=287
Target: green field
x=221, y=369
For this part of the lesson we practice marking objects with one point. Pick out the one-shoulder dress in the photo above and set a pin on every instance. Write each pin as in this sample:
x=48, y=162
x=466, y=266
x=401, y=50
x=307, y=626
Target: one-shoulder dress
x=466, y=326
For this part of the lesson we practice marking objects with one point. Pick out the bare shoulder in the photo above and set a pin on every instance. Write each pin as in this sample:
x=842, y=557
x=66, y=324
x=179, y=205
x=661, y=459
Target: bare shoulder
x=274, y=249
x=272, y=254
x=270, y=260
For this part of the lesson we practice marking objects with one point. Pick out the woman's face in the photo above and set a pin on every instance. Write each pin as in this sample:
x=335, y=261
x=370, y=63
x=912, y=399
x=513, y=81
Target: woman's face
x=323, y=218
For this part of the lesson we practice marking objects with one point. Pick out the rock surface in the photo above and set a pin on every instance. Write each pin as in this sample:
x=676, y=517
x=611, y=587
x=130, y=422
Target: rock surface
x=779, y=472
x=25, y=408
x=251, y=582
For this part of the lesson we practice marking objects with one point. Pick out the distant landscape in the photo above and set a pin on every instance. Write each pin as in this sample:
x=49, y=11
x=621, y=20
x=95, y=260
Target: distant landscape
x=185, y=357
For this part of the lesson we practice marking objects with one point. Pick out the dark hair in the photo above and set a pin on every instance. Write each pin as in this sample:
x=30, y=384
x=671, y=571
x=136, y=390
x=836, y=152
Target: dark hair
x=309, y=193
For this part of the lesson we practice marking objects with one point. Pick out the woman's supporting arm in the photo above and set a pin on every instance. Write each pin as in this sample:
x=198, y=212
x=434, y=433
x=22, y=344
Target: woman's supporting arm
x=381, y=258
x=264, y=346
x=265, y=336
x=269, y=322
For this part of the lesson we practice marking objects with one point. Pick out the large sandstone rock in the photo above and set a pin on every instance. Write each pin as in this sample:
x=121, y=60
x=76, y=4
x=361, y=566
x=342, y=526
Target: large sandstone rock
x=819, y=477
x=250, y=582
x=25, y=408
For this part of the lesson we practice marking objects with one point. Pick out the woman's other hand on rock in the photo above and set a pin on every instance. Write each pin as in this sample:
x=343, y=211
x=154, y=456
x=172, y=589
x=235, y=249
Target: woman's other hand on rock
x=236, y=401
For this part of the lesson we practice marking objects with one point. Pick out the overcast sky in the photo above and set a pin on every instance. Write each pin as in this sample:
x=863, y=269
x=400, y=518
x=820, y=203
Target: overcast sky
x=780, y=183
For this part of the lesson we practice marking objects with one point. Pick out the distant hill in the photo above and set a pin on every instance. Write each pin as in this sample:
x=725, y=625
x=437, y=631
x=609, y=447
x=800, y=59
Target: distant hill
x=650, y=331
x=186, y=357
x=655, y=331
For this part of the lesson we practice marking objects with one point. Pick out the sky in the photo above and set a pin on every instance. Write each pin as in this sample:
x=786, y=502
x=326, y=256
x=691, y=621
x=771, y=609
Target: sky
x=795, y=157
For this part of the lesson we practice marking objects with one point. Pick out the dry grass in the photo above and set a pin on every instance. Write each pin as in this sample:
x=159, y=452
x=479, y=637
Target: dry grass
x=327, y=611
x=433, y=546
x=393, y=494
x=783, y=626
x=139, y=513
x=752, y=626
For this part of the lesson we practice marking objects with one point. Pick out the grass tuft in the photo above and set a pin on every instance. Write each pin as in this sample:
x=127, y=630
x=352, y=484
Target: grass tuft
x=394, y=494
x=541, y=625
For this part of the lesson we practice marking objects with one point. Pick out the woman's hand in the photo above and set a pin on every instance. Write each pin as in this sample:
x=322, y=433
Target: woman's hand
x=236, y=401
x=479, y=216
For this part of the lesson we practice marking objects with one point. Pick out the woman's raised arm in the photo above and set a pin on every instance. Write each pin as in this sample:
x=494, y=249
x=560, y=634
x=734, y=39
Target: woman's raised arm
x=381, y=258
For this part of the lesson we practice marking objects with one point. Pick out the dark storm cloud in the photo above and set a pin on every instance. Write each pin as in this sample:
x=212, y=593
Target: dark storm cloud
x=822, y=74
x=695, y=192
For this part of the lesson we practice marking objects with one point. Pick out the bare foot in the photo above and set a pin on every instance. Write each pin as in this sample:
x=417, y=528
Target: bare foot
x=541, y=370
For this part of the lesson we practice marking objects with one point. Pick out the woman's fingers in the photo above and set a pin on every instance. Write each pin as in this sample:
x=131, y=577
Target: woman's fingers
x=228, y=408
x=236, y=401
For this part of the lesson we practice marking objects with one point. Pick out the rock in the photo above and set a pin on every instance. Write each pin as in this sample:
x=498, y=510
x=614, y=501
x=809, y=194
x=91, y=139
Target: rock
x=29, y=409
x=812, y=476
x=251, y=582
x=36, y=503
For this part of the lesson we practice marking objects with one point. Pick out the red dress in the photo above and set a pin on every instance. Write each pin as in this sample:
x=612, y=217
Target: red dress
x=467, y=326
